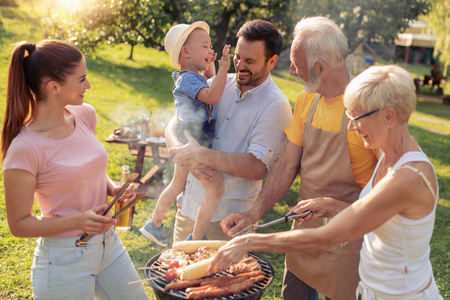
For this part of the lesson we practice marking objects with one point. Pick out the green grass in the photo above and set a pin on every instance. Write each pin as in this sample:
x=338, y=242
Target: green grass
x=122, y=89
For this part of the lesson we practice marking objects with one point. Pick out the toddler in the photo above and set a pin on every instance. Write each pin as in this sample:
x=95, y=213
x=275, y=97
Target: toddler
x=190, y=49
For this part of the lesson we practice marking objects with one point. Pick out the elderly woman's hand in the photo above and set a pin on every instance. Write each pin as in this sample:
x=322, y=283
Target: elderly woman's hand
x=229, y=254
x=316, y=206
x=320, y=206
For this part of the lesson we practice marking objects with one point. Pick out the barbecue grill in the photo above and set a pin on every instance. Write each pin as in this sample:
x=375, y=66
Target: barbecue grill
x=155, y=270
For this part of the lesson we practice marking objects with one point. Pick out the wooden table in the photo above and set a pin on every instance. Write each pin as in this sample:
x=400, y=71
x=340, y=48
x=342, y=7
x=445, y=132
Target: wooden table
x=156, y=150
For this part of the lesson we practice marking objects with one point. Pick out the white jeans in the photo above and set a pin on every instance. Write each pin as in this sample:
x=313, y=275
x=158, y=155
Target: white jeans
x=101, y=270
x=363, y=292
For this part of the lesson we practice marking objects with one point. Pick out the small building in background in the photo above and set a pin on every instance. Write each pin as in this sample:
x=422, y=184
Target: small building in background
x=416, y=44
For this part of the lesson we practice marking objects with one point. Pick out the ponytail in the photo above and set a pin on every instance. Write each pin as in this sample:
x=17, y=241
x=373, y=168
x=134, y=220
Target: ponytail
x=20, y=103
x=29, y=68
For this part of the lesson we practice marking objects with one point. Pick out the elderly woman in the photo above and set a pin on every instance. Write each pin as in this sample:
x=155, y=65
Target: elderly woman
x=396, y=210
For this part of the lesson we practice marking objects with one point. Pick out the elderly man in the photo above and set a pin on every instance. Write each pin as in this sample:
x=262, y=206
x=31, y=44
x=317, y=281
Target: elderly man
x=333, y=163
x=252, y=114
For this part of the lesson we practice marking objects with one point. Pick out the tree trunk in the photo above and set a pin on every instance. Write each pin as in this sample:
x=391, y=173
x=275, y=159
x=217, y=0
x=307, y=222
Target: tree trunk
x=176, y=11
x=131, y=52
x=445, y=68
x=221, y=30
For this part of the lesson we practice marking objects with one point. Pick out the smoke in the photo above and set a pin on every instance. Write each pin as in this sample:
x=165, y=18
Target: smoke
x=127, y=115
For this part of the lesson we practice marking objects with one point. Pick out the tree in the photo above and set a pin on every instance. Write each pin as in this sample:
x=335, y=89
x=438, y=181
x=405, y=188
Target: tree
x=108, y=21
x=226, y=17
x=365, y=21
x=439, y=20
x=85, y=25
x=12, y=3
x=147, y=21
x=140, y=21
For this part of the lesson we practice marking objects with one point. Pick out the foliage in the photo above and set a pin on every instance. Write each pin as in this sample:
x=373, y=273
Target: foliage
x=147, y=21
x=137, y=23
x=226, y=17
x=8, y=3
x=439, y=20
x=107, y=21
x=84, y=26
x=366, y=21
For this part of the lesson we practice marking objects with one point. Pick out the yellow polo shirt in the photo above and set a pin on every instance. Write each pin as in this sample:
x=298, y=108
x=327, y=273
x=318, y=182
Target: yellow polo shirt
x=328, y=117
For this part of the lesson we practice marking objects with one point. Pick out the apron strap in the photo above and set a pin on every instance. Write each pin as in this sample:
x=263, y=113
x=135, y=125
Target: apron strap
x=313, y=109
x=344, y=122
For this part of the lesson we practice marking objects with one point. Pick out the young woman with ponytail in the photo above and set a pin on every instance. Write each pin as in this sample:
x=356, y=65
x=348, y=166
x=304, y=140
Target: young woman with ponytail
x=51, y=154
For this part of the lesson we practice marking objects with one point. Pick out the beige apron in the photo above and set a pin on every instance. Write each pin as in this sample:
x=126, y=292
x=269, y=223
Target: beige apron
x=326, y=171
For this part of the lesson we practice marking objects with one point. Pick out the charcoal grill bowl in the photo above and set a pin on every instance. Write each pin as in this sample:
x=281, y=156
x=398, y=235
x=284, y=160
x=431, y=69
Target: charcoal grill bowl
x=254, y=293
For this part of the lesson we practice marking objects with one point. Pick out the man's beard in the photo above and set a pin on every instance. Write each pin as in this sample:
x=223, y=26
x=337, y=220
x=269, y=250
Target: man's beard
x=313, y=84
x=250, y=81
x=254, y=79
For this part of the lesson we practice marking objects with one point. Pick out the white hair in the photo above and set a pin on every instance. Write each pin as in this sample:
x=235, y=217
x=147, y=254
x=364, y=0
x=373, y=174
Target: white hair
x=325, y=40
x=381, y=87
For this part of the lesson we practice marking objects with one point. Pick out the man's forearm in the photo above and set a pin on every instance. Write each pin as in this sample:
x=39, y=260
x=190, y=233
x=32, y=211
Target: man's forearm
x=243, y=165
x=279, y=179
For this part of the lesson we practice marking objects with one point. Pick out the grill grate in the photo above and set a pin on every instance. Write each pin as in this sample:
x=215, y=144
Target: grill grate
x=158, y=272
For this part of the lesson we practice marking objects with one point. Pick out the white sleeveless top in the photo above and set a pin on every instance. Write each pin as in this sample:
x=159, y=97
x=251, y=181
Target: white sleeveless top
x=395, y=256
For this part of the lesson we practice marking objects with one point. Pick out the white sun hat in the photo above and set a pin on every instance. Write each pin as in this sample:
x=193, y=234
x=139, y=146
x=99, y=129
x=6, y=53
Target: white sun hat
x=176, y=37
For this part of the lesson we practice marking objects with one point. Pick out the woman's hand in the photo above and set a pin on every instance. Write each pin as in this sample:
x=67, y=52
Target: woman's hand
x=127, y=196
x=316, y=206
x=92, y=222
x=231, y=253
x=320, y=206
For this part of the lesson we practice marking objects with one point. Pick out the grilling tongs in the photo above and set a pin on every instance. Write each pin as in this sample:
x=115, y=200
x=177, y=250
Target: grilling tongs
x=82, y=241
x=290, y=217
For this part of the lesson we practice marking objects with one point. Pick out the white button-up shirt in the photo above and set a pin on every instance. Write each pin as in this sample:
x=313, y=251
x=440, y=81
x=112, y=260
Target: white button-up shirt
x=253, y=123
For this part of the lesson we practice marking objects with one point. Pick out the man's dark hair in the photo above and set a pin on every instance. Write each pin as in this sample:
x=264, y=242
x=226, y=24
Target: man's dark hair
x=260, y=30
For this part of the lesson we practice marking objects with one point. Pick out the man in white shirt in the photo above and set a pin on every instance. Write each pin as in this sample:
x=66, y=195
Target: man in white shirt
x=252, y=115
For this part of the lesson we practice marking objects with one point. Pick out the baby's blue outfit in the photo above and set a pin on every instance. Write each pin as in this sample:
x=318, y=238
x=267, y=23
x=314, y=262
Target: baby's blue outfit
x=193, y=115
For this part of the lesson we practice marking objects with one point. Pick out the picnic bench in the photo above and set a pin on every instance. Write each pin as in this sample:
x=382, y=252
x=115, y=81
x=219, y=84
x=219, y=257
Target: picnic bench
x=156, y=151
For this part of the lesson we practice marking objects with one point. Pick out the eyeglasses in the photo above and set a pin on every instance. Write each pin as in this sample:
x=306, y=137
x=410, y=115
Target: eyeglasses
x=353, y=120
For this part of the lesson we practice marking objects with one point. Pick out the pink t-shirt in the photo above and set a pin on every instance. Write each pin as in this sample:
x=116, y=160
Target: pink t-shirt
x=70, y=172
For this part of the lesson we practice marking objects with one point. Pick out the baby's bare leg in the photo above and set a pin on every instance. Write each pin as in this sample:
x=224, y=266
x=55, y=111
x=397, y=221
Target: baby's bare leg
x=205, y=212
x=169, y=194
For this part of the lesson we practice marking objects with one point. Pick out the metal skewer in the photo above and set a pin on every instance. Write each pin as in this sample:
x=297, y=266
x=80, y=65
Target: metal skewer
x=150, y=268
x=253, y=227
x=147, y=279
